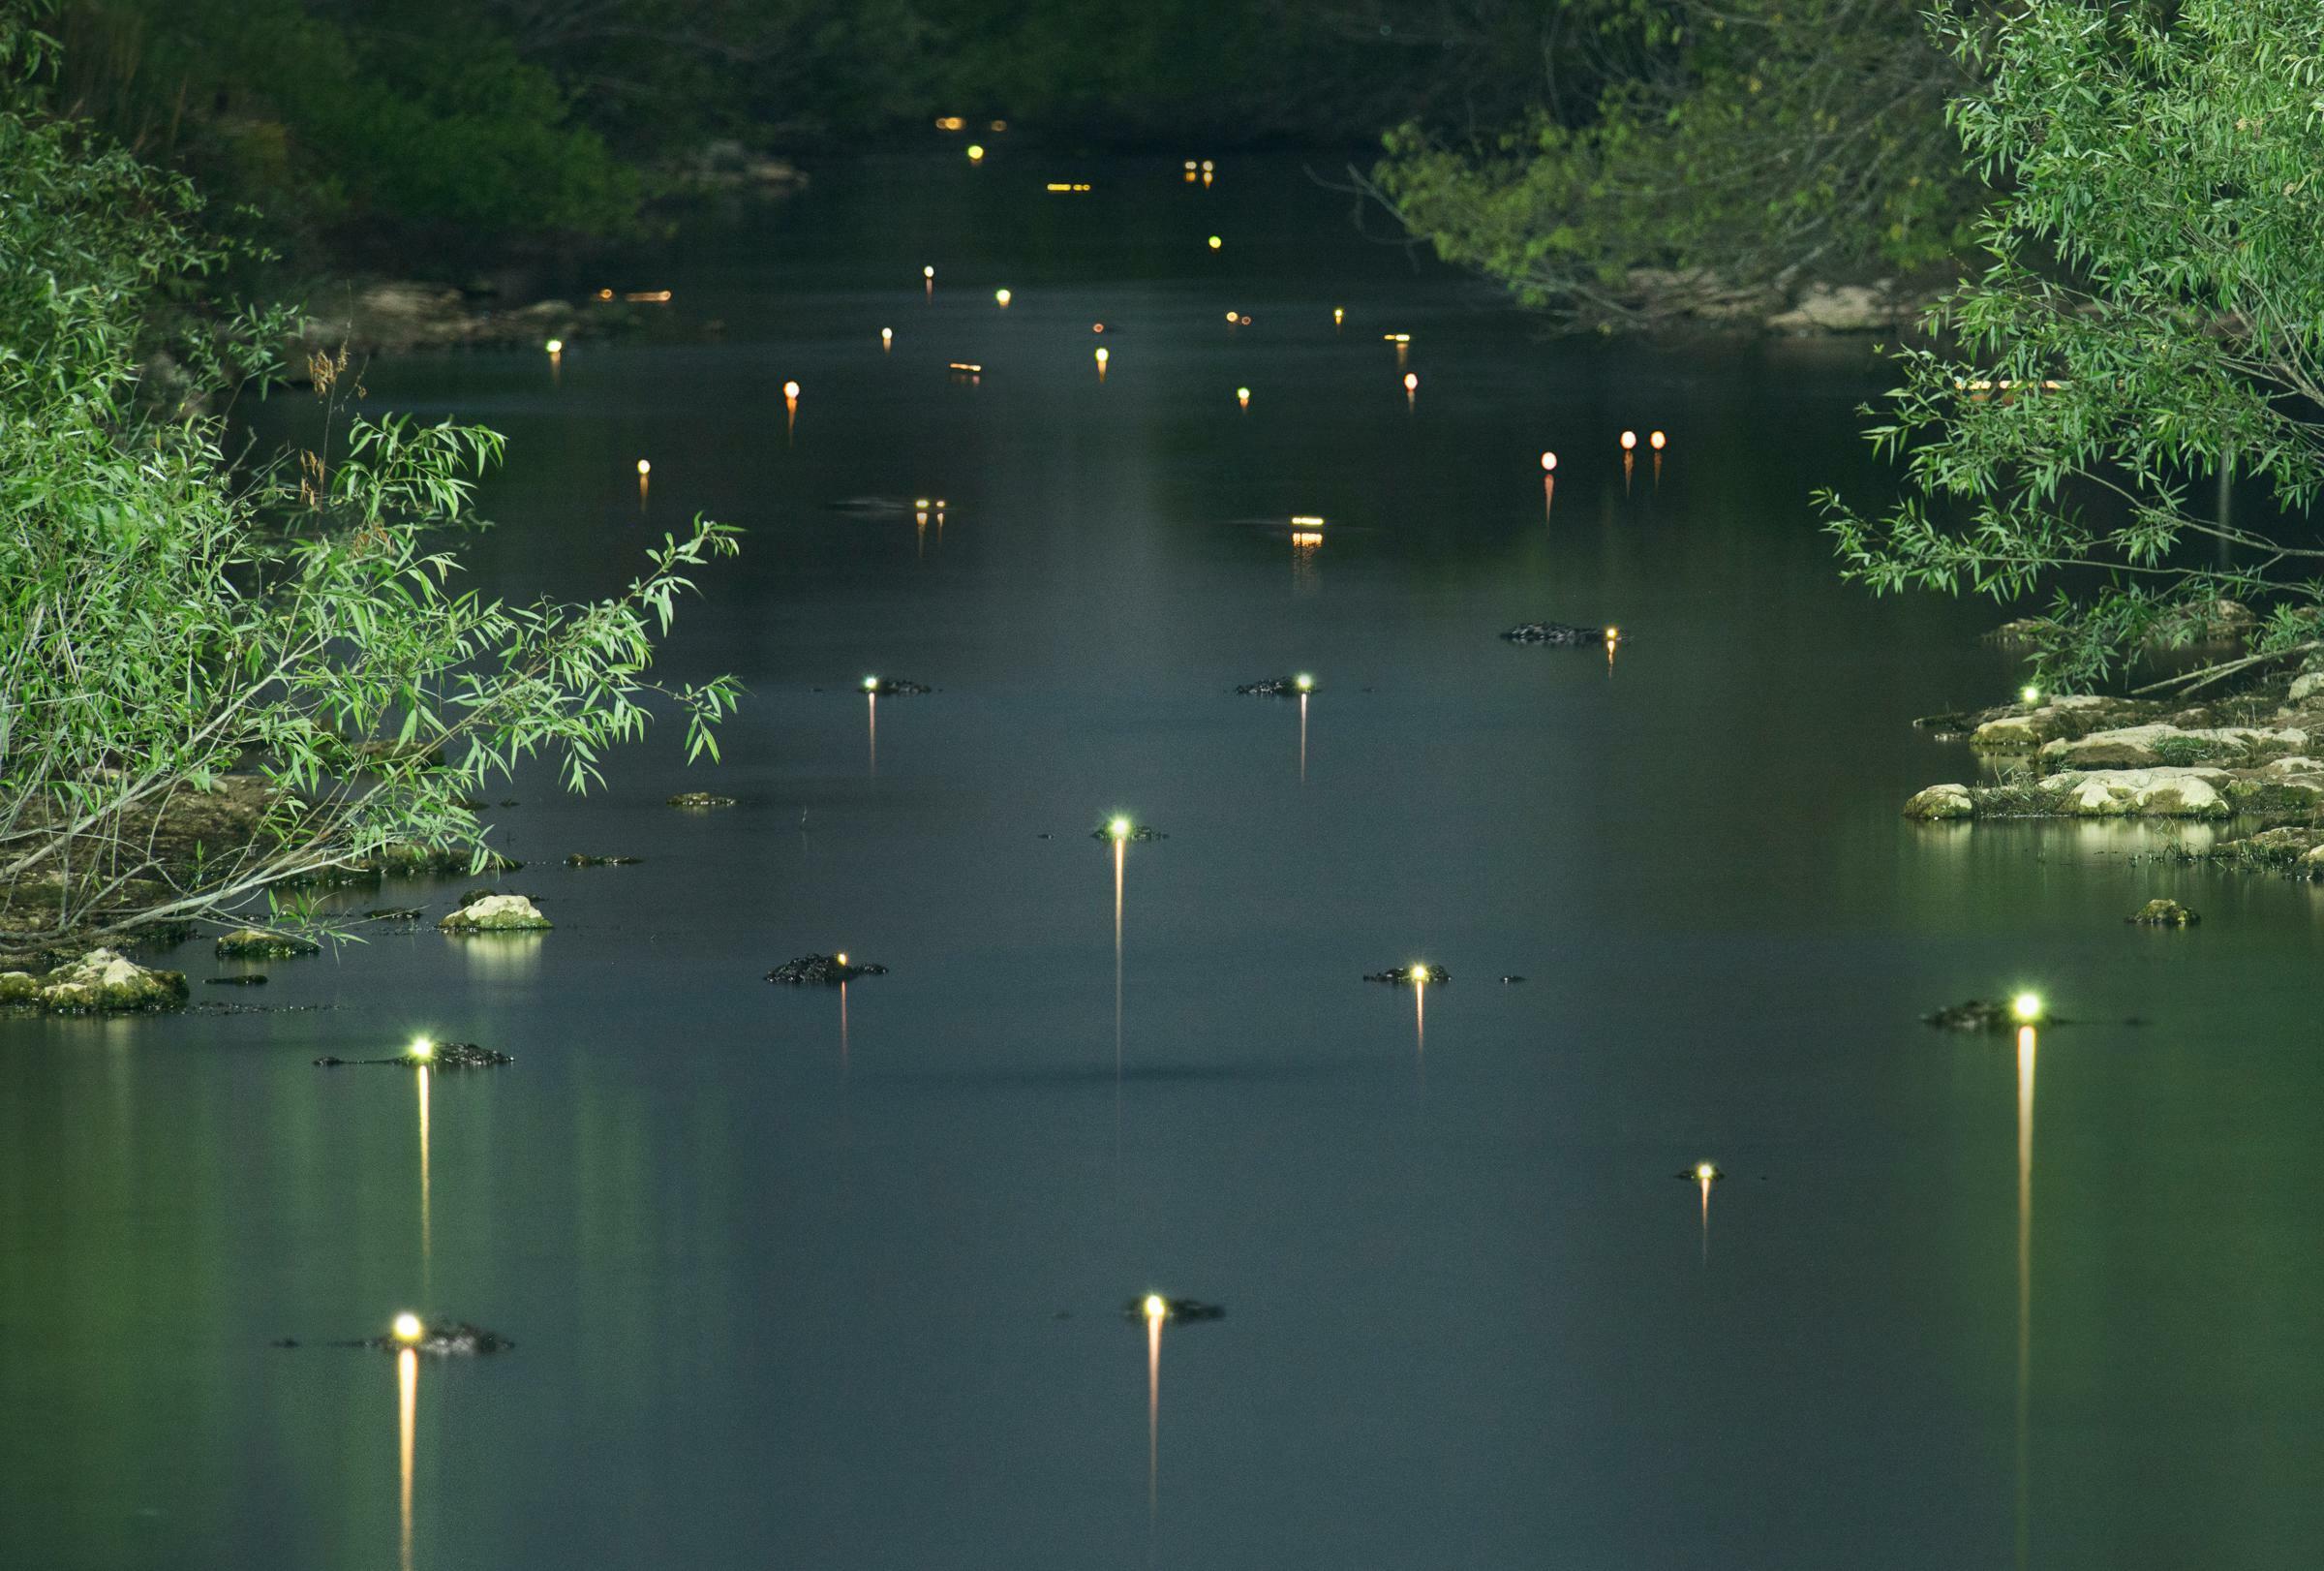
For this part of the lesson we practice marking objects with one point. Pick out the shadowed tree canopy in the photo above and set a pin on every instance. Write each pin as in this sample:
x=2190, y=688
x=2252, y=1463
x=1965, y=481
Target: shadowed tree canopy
x=489, y=120
x=1692, y=158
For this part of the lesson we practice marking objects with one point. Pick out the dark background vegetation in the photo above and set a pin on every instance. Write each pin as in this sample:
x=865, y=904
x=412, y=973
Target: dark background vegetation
x=376, y=130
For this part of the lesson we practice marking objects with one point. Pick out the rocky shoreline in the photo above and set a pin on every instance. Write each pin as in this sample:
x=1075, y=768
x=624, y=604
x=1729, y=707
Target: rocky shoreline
x=2252, y=760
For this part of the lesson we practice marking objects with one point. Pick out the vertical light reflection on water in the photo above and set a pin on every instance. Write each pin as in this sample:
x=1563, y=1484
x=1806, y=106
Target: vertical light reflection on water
x=1121, y=854
x=1420, y=1019
x=502, y=957
x=426, y=1237
x=1156, y=1311
x=1703, y=1182
x=843, y=1028
x=2026, y=1048
x=1304, y=543
x=406, y=1418
x=871, y=727
x=1302, y=739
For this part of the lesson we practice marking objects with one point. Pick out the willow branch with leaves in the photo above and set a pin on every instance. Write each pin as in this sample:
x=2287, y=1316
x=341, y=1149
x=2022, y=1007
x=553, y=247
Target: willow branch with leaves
x=170, y=617
x=2147, y=331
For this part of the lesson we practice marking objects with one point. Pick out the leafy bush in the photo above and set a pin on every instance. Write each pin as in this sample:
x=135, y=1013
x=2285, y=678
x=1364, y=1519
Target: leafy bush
x=2148, y=326
x=165, y=618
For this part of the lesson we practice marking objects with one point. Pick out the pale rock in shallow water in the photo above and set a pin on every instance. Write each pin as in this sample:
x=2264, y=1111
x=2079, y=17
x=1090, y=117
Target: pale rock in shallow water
x=1841, y=308
x=2128, y=794
x=1950, y=801
x=496, y=913
x=2029, y=726
x=104, y=980
x=2143, y=747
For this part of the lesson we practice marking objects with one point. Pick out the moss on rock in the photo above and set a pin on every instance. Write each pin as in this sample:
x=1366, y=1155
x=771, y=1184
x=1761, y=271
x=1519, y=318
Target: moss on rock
x=101, y=981
x=497, y=913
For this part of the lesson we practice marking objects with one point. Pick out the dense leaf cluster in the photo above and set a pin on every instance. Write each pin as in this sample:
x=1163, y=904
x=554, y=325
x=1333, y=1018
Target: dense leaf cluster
x=168, y=617
x=2148, y=328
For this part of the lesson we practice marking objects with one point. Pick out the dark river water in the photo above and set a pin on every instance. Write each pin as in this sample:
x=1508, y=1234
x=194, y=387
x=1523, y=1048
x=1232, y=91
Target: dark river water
x=800, y=1278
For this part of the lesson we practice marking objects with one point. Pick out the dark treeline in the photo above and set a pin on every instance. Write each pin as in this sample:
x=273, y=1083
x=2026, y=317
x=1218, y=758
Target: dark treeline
x=496, y=119
x=1612, y=162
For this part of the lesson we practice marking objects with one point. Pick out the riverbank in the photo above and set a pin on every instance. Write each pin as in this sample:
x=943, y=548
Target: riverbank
x=2251, y=761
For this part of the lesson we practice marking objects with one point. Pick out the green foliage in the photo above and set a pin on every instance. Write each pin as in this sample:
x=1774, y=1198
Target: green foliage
x=167, y=619
x=430, y=122
x=1722, y=153
x=2150, y=317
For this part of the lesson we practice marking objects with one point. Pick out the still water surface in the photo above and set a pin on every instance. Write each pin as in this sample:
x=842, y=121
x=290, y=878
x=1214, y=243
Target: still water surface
x=806, y=1279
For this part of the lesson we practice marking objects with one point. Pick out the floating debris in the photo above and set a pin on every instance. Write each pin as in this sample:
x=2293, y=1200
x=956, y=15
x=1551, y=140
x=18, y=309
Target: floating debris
x=257, y=943
x=255, y=979
x=1556, y=634
x=1701, y=1173
x=395, y=913
x=406, y=861
x=700, y=799
x=1278, y=686
x=822, y=970
x=1141, y=1309
x=1122, y=830
x=452, y=1338
x=2163, y=913
x=576, y=859
x=1415, y=974
x=892, y=687
x=437, y=1056
x=1513, y=979
x=1992, y=1015
x=496, y=913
